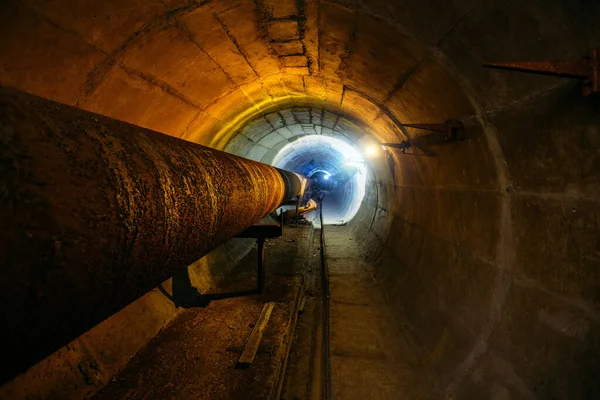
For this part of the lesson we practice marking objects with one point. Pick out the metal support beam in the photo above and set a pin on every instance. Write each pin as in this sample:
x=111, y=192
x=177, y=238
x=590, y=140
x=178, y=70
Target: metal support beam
x=96, y=212
x=260, y=245
x=403, y=145
x=261, y=231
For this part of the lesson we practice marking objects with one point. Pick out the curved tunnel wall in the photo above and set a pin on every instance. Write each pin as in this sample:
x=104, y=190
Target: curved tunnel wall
x=487, y=247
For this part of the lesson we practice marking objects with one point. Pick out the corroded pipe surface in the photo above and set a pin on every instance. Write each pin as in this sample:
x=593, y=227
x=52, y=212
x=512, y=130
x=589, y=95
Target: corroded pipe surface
x=96, y=212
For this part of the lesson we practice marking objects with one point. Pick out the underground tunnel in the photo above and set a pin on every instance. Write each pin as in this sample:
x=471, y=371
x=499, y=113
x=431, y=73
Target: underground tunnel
x=441, y=160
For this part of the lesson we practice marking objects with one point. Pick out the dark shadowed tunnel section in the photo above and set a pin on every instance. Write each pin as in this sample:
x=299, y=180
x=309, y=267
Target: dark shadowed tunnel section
x=486, y=247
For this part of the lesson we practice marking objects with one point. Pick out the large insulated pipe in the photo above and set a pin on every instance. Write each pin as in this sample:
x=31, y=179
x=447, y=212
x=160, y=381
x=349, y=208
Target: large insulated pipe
x=96, y=212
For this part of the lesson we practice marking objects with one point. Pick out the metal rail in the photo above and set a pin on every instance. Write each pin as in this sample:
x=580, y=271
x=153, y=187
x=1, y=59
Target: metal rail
x=326, y=360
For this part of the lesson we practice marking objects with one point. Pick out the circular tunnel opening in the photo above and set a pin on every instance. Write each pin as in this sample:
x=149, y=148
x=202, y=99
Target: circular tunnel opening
x=337, y=171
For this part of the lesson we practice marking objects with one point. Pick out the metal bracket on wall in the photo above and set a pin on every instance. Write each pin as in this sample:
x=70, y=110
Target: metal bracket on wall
x=450, y=128
x=403, y=145
x=588, y=69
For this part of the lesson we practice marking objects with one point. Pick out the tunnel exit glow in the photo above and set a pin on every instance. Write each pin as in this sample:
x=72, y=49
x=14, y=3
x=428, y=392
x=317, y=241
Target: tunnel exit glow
x=340, y=164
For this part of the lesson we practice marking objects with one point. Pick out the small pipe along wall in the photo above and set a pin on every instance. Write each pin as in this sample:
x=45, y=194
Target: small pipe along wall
x=96, y=212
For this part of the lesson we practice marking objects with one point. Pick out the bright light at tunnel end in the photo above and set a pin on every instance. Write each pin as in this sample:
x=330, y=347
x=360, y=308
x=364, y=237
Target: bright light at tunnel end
x=348, y=155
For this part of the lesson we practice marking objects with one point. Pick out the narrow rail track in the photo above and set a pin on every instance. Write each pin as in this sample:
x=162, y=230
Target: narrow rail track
x=325, y=353
x=349, y=345
x=309, y=375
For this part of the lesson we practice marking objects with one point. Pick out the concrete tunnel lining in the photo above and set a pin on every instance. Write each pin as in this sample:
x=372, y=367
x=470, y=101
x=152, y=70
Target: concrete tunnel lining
x=476, y=244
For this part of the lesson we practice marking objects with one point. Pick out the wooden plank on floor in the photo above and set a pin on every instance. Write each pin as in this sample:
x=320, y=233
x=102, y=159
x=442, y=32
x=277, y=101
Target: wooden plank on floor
x=251, y=347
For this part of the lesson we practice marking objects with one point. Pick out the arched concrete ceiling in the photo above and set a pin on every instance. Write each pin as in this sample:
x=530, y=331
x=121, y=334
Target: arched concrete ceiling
x=264, y=137
x=200, y=70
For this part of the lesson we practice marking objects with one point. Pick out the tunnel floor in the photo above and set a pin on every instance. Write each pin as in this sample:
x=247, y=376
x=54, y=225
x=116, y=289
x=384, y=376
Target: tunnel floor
x=369, y=355
x=331, y=212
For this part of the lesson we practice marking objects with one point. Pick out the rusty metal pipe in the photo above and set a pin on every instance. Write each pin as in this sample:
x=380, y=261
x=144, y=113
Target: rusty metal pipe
x=96, y=212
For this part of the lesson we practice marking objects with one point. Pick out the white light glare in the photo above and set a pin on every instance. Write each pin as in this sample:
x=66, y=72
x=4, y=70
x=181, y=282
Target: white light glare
x=371, y=150
x=284, y=158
